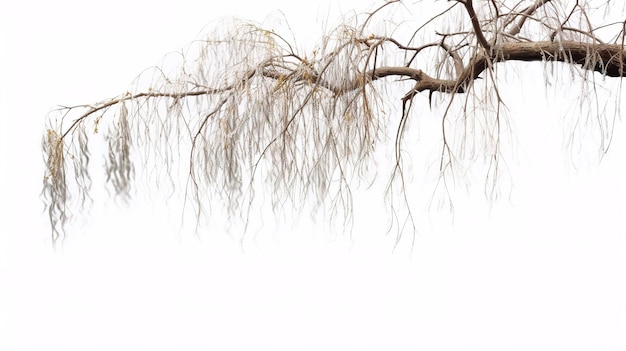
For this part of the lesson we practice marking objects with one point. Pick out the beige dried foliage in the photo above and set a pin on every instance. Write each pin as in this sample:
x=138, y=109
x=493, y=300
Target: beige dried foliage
x=244, y=108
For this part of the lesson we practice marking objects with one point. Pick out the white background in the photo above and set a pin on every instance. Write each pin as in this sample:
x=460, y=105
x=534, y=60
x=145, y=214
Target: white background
x=542, y=269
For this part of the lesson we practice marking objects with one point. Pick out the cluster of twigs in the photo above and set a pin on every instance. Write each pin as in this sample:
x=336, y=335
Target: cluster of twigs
x=251, y=108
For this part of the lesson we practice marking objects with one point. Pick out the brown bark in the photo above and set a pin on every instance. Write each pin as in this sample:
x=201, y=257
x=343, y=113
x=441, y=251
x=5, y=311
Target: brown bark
x=607, y=59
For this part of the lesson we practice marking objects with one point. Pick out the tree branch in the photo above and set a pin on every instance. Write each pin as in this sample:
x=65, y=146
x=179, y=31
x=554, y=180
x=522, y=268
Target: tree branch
x=477, y=27
x=607, y=59
x=523, y=16
x=250, y=97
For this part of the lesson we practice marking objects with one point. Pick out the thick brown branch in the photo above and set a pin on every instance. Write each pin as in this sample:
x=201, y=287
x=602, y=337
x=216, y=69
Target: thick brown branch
x=477, y=28
x=607, y=59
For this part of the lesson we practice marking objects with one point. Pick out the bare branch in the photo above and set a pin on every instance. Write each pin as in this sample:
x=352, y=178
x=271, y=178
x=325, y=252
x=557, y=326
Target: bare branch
x=476, y=24
x=523, y=16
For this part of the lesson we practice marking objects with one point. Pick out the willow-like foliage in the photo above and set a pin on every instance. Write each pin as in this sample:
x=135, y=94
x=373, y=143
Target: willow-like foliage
x=242, y=107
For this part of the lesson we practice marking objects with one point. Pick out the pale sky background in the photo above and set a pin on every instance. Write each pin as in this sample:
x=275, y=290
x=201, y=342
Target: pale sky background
x=542, y=270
